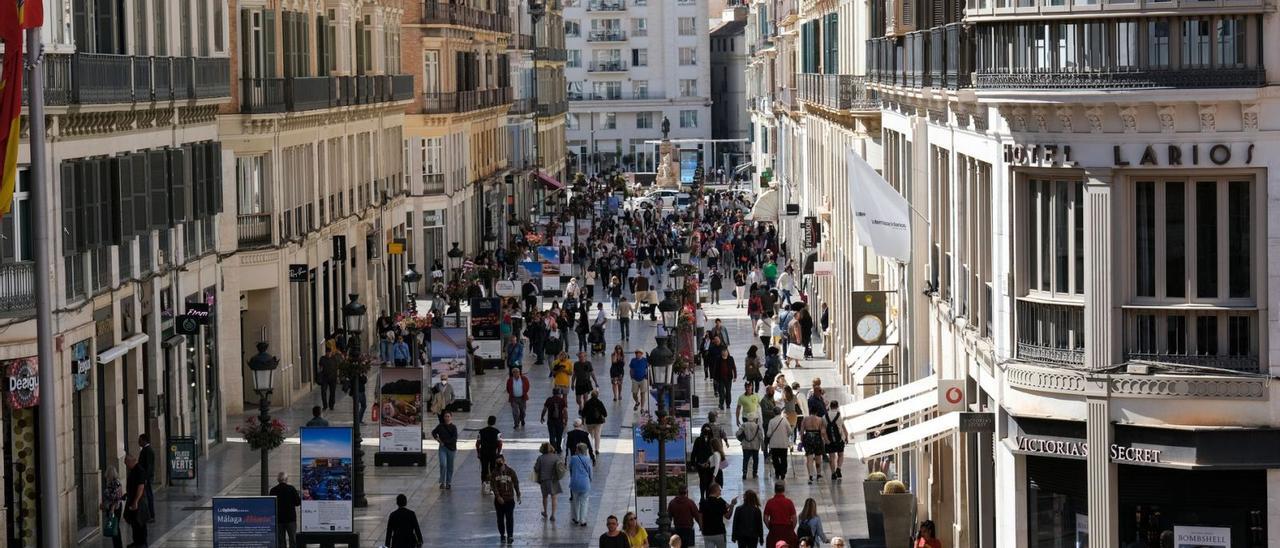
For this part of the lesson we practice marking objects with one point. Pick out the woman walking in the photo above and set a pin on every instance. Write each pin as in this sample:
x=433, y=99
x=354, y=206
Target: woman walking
x=594, y=414
x=810, y=525
x=837, y=436
x=579, y=484
x=764, y=330
x=548, y=470
x=506, y=494
x=748, y=521
x=754, y=368
x=584, y=379
x=638, y=536
x=751, y=436
x=112, y=506
x=617, y=363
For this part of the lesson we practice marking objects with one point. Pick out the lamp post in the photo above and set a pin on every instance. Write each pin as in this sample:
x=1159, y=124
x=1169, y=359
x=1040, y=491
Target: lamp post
x=660, y=360
x=411, y=280
x=455, y=259
x=353, y=320
x=263, y=366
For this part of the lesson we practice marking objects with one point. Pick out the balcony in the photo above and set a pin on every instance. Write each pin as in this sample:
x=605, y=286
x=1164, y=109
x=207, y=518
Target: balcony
x=837, y=92
x=452, y=102
x=607, y=66
x=607, y=36
x=552, y=109
x=941, y=57
x=1050, y=333
x=1220, y=339
x=254, y=230
x=17, y=288
x=520, y=42
x=521, y=106
x=440, y=13
x=787, y=99
x=1138, y=78
x=304, y=93
x=97, y=78
x=433, y=183
x=606, y=5
x=550, y=54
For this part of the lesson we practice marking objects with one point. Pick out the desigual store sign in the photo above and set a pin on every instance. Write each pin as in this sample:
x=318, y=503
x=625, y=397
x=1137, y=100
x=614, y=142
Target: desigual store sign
x=1080, y=449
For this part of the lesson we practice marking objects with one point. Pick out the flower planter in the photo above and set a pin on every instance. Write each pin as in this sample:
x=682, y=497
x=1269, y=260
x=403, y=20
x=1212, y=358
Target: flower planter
x=875, y=515
x=899, y=516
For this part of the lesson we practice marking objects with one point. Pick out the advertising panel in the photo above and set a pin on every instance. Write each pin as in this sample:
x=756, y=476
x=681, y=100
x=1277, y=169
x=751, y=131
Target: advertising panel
x=81, y=365
x=326, y=479
x=449, y=357
x=244, y=522
x=181, y=458
x=645, y=459
x=486, y=331
x=400, y=410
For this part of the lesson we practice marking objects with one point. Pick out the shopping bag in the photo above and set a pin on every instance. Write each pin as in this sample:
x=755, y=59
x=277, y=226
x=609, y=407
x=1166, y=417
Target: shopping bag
x=795, y=352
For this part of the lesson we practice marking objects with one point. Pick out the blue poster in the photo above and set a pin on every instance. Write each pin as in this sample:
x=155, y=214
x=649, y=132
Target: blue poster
x=244, y=522
x=326, y=479
x=688, y=164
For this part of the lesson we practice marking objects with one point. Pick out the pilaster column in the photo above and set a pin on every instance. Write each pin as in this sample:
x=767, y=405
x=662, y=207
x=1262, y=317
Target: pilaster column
x=1100, y=322
x=1103, y=488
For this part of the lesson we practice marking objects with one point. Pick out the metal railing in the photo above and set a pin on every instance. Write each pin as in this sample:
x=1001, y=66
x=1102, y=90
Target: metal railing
x=17, y=287
x=433, y=183
x=464, y=101
x=100, y=78
x=1050, y=333
x=254, y=230
x=442, y=13
x=211, y=77
x=520, y=41
x=259, y=95
x=607, y=66
x=309, y=93
x=787, y=98
x=595, y=96
x=402, y=87
x=607, y=36
x=837, y=91
x=552, y=109
x=57, y=80
x=97, y=78
x=1225, y=77
x=606, y=5
x=303, y=93
x=550, y=54
x=521, y=106
x=940, y=57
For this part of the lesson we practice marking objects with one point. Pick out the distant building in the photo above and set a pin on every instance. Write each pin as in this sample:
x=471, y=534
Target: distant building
x=729, y=57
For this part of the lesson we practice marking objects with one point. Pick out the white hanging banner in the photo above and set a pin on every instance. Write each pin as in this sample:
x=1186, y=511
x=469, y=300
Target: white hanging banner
x=880, y=214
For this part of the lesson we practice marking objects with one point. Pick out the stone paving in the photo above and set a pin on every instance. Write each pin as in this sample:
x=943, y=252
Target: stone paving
x=465, y=517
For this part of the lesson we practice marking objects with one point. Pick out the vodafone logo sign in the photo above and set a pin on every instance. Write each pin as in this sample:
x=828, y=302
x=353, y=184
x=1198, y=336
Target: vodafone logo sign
x=951, y=396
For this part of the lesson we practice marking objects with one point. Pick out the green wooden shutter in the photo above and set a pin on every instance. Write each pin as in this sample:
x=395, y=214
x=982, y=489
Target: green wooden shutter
x=122, y=193
x=141, y=175
x=69, y=218
x=269, y=42
x=157, y=165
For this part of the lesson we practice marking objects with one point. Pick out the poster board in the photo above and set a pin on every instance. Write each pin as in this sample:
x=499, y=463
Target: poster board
x=549, y=257
x=530, y=271
x=326, y=479
x=400, y=410
x=244, y=522
x=645, y=462
x=486, y=331
x=449, y=357
x=1188, y=536
x=180, y=459
x=506, y=288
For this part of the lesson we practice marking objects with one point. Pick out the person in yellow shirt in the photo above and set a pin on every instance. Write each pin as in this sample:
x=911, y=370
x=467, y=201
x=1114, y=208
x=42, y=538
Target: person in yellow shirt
x=635, y=533
x=562, y=371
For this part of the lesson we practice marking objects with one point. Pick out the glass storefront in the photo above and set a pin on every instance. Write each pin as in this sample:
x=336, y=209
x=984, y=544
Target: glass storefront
x=1057, y=503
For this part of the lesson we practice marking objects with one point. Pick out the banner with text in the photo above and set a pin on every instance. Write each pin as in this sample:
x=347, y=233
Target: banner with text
x=400, y=410
x=326, y=479
x=244, y=522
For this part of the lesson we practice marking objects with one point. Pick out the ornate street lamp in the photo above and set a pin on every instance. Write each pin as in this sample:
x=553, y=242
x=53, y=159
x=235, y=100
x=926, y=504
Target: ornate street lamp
x=263, y=366
x=455, y=258
x=353, y=320
x=660, y=360
x=411, y=280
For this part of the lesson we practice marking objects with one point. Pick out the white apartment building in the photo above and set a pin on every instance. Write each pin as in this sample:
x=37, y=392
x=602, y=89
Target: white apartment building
x=631, y=63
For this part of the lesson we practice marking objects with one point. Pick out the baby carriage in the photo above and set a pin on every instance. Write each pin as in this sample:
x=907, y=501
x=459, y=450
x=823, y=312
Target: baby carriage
x=596, y=338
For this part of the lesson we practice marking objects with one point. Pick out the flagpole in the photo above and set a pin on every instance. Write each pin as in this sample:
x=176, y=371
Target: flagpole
x=50, y=497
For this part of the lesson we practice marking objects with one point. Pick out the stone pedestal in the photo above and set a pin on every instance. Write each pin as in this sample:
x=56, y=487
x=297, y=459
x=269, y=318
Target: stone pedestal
x=668, y=166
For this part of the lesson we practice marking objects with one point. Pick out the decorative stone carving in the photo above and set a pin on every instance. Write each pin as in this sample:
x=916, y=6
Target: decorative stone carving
x=1207, y=114
x=981, y=119
x=1042, y=379
x=1065, y=115
x=1018, y=121
x=1168, y=118
x=1249, y=116
x=1157, y=386
x=1129, y=117
x=1094, y=114
x=1042, y=124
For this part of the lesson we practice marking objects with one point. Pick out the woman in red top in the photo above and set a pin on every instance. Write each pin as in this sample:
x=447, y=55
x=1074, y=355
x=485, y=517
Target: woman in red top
x=780, y=517
x=927, y=538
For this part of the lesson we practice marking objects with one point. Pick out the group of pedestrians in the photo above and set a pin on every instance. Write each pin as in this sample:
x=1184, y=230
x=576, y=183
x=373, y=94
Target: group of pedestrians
x=134, y=501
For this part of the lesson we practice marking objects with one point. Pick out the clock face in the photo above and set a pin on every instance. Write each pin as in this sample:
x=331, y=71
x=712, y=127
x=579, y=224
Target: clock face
x=870, y=328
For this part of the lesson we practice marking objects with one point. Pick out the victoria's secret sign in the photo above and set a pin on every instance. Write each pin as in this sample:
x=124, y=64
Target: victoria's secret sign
x=1080, y=449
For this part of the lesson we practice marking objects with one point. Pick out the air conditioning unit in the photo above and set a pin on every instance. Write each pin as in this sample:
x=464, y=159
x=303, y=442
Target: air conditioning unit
x=900, y=17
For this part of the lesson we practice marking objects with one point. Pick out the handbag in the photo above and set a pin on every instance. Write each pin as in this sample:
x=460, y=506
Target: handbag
x=795, y=352
x=111, y=524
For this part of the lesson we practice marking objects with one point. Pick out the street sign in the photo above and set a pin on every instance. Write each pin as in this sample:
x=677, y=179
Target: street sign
x=977, y=423
x=951, y=396
x=200, y=311
x=182, y=458
x=187, y=325
x=298, y=273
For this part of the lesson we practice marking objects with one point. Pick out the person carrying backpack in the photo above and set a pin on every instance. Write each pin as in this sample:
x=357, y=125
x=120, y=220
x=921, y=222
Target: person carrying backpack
x=555, y=414
x=837, y=437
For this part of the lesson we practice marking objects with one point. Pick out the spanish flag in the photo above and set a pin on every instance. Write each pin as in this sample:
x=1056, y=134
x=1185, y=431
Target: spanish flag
x=15, y=17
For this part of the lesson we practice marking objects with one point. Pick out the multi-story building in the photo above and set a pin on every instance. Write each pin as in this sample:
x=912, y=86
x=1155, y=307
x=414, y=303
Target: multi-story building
x=135, y=171
x=730, y=122
x=632, y=63
x=1090, y=187
x=537, y=148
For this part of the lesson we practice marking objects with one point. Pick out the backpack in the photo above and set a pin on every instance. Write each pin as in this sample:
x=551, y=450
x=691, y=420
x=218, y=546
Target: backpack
x=804, y=530
x=833, y=429
x=553, y=413
x=753, y=368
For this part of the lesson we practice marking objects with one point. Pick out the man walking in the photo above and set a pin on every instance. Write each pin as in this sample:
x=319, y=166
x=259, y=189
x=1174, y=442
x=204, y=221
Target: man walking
x=625, y=312
x=135, y=501
x=714, y=512
x=555, y=413
x=400, y=352
x=518, y=395
x=488, y=446
x=640, y=380
x=287, y=502
x=515, y=353
x=328, y=378
x=147, y=460
x=446, y=434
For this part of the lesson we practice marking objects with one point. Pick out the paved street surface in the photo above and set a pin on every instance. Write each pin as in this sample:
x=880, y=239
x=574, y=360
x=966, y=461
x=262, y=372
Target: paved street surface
x=465, y=517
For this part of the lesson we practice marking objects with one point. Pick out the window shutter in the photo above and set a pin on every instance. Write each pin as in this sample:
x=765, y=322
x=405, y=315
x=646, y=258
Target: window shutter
x=68, y=186
x=197, y=180
x=179, y=185
x=106, y=215
x=86, y=216
x=122, y=191
x=321, y=46
x=245, y=35
x=269, y=43
x=159, y=176
x=141, y=175
x=215, y=188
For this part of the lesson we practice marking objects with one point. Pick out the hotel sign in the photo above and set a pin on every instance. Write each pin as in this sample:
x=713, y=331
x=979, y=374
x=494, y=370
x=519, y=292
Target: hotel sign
x=1080, y=449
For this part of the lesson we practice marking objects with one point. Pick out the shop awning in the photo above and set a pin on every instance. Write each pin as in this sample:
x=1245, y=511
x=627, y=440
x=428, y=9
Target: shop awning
x=874, y=419
x=923, y=432
x=548, y=180
x=870, y=361
x=906, y=391
x=809, y=259
x=109, y=355
x=766, y=207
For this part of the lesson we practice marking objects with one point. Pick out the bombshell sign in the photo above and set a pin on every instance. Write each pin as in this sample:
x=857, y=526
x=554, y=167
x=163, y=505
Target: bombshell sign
x=1080, y=449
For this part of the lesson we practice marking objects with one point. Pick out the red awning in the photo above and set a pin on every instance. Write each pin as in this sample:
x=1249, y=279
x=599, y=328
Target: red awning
x=548, y=180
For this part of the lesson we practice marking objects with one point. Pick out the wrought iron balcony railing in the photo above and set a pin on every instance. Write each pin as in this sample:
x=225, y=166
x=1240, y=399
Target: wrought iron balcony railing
x=98, y=78
x=940, y=57
x=452, y=102
x=606, y=5
x=433, y=183
x=550, y=54
x=299, y=94
x=254, y=230
x=443, y=13
x=1227, y=77
x=607, y=66
x=521, y=106
x=1050, y=333
x=520, y=41
x=607, y=36
x=552, y=109
x=17, y=288
x=837, y=91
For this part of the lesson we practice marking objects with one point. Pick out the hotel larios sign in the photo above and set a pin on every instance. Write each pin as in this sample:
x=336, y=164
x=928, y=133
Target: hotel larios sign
x=1080, y=449
x=1149, y=155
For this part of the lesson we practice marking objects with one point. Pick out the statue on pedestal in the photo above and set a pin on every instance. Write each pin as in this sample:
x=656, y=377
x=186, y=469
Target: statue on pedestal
x=666, y=128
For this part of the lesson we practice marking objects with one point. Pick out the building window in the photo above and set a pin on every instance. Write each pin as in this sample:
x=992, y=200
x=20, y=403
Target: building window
x=644, y=120
x=688, y=26
x=640, y=57
x=431, y=71
x=1195, y=43
x=1231, y=42
x=575, y=58
x=572, y=28
x=1158, y=43
x=639, y=26
x=1055, y=237
x=688, y=118
x=688, y=56
x=640, y=89
x=688, y=88
x=610, y=120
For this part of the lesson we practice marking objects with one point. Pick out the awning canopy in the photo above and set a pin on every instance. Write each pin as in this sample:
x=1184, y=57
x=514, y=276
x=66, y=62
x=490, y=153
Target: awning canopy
x=766, y=207
x=888, y=397
x=548, y=180
x=888, y=443
x=870, y=360
x=874, y=419
x=809, y=259
x=109, y=355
